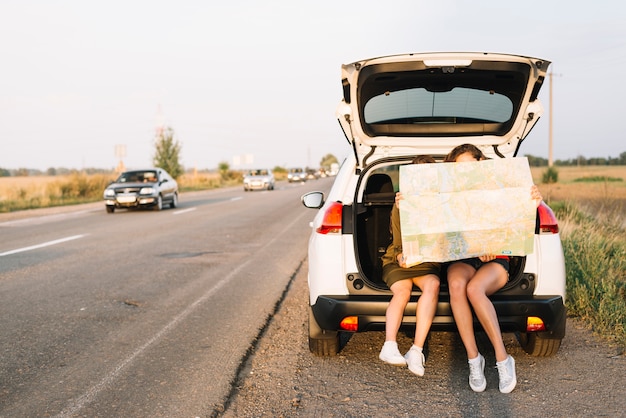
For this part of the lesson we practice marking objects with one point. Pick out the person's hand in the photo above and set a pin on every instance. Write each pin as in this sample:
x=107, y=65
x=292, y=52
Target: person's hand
x=487, y=257
x=399, y=197
x=402, y=260
x=535, y=194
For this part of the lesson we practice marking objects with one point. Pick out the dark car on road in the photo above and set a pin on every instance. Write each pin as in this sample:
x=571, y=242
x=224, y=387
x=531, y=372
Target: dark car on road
x=149, y=188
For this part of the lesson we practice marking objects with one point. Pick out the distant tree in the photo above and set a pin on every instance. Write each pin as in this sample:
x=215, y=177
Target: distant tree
x=167, y=154
x=51, y=171
x=4, y=172
x=224, y=168
x=536, y=161
x=327, y=160
x=279, y=169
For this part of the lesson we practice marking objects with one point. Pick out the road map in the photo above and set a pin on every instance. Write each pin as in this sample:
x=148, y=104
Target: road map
x=452, y=211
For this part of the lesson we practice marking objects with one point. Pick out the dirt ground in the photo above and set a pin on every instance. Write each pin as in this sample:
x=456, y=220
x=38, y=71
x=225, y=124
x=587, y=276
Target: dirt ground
x=281, y=378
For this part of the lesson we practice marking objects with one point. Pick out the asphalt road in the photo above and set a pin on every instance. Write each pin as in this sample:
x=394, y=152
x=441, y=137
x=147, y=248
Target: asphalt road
x=142, y=313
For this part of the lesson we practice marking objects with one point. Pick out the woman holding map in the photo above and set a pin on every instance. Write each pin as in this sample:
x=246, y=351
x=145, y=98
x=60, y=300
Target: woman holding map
x=470, y=283
x=400, y=279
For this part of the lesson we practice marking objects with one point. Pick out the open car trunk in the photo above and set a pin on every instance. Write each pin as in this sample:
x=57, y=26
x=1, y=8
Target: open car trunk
x=372, y=233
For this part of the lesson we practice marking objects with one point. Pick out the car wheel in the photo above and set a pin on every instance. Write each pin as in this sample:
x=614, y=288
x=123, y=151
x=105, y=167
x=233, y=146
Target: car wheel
x=322, y=342
x=537, y=346
x=174, y=202
x=110, y=209
x=159, y=203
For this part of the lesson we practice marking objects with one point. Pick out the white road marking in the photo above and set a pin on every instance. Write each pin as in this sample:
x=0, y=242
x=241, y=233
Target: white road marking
x=180, y=212
x=45, y=244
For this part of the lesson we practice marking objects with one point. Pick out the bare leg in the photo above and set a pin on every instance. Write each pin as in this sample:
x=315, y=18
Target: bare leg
x=395, y=310
x=459, y=275
x=488, y=280
x=426, y=306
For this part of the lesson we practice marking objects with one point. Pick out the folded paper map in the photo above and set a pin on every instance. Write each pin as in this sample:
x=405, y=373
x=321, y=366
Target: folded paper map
x=452, y=211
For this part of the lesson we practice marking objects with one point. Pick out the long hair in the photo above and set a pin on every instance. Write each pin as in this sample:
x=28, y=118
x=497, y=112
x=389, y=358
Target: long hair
x=462, y=149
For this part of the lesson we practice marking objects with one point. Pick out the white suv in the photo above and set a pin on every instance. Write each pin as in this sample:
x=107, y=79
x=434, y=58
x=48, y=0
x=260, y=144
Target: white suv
x=393, y=109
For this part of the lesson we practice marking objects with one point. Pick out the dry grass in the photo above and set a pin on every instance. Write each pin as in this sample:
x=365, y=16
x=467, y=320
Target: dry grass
x=15, y=187
x=19, y=193
x=592, y=223
x=594, y=197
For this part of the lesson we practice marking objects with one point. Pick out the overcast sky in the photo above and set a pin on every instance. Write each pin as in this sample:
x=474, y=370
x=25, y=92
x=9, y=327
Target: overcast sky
x=262, y=78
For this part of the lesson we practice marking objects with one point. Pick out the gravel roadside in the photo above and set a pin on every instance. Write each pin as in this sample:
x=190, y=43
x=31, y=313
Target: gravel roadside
x=281, y=378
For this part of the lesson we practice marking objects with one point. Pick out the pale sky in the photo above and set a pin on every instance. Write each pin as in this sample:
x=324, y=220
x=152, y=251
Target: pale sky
x=262, y=78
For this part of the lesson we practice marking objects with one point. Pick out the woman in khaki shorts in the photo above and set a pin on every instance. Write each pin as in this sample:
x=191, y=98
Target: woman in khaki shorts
x=400, y=279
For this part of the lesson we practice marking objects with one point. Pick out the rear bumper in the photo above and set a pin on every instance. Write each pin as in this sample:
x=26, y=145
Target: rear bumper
x=513, y=313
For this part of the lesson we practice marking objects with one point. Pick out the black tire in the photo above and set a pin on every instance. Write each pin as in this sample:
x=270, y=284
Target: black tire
x=110, y=209
x=323, y=343
x=174, y=202
x=535, y=345
x=159, y=203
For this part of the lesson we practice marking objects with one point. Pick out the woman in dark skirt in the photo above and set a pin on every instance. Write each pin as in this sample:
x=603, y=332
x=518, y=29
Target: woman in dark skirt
x=400, y=279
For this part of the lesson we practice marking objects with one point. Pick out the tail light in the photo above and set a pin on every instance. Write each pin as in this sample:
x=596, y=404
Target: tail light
x=331, y=222
x=350, y=323
x=534, y=323
x=547, y=220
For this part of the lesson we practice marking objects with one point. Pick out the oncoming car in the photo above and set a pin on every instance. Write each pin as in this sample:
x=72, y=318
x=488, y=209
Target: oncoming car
x=296, y=175
x=395, y=108
x=260, y=179
x=149, y=188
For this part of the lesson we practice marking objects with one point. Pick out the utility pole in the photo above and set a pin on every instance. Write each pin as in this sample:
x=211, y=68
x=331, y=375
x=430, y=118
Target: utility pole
x=550, y=159
x=550, y=140
x=120, y=153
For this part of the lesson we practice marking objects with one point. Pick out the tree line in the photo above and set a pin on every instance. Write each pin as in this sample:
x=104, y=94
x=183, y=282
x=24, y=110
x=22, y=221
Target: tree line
x=534, y=161
x=167, y=156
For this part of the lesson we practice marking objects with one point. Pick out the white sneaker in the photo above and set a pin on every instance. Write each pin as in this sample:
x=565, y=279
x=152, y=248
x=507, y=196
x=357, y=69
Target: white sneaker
x=477, y=380
x=506, y=371
x=391, y=355
x=415, y=359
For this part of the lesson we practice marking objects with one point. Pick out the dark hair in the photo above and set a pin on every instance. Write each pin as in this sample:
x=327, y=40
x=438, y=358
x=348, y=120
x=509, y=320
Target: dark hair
x=462, y=149
x=423, y=159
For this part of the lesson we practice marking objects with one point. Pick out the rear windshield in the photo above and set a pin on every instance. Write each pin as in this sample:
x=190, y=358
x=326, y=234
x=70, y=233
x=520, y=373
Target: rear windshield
x=418, y=105
x=414, y=100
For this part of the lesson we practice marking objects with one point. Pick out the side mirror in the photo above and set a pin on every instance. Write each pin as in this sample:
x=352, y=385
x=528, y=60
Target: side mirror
x=313, y=200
